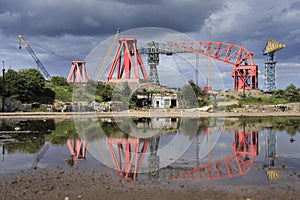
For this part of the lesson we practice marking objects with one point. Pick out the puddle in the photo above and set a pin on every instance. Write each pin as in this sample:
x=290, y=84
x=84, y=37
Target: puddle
x=207, y=151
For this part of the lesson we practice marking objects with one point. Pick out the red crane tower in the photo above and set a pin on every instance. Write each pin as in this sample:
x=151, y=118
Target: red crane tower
x=78, y=72
x=129, y=70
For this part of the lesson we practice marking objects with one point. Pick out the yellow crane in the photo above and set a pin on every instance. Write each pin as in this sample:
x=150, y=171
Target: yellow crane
x=271, y=47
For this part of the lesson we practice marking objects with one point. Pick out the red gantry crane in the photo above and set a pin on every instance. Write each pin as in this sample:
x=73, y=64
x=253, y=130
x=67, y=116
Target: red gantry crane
x=38, y=62
x=245, y=71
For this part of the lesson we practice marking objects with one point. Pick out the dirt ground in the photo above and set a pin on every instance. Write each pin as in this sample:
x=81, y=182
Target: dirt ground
x=78, y=184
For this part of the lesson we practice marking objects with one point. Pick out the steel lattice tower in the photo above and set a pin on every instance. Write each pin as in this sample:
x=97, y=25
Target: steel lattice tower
x=270, y=73
x=153, y=61
x=270, y=66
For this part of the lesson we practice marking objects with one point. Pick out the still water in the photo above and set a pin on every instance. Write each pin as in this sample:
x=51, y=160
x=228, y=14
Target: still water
x=248, y=151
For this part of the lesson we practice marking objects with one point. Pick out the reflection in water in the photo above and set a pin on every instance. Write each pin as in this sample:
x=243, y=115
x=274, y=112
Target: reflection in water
x=141, y=147
x=271, y=143
x=128, y=156
x=245, y=150
x=78, y=148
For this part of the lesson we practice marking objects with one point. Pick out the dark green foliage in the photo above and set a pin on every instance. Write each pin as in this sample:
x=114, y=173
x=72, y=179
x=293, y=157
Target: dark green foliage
x=27, y=85
x=292, y=93
x=104, y=91
x=59, y=81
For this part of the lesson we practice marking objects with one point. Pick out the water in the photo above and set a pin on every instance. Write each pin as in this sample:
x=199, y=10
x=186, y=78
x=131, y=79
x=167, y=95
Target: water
x=247, y=151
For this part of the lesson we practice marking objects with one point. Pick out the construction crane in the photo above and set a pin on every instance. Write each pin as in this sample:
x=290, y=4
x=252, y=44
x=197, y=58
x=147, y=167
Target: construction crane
x=270, y=77
x=38, y=62
x=108, y=53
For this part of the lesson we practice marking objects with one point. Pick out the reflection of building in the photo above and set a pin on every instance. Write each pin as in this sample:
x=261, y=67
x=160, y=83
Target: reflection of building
x=164, y=122
x=165, y=101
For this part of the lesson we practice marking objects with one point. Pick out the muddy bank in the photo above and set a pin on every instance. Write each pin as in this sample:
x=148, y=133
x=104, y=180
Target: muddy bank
x=95, y=184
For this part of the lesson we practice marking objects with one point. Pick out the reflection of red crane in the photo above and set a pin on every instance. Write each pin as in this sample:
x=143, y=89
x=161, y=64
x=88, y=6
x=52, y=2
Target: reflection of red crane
x=245, y=148
x=78, y=148
x=244, y=72
x=130, y=154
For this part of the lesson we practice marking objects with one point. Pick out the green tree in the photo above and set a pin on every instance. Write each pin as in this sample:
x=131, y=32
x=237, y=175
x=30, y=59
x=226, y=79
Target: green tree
x=292, y=93
x=27, y=85
x=59, y=81
x=192, y=96
x=104, y=91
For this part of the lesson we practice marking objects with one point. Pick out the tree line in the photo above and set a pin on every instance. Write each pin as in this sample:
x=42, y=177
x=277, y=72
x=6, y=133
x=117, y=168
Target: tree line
x=29, y=86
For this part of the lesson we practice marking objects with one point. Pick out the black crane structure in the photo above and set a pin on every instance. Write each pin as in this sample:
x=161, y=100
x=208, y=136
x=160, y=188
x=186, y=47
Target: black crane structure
x=36, y=59
x=153, y=49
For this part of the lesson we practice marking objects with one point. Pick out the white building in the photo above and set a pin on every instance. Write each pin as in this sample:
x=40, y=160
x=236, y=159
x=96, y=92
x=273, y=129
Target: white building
x=167, y=101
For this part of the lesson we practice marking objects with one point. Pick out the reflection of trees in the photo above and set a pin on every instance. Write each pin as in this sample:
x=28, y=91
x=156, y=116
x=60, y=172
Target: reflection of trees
x=290, y=125
x=189, y=127
x=193, y=126
x=25, y=143
x=63, y=131
x=111, y=129
x=30, y=142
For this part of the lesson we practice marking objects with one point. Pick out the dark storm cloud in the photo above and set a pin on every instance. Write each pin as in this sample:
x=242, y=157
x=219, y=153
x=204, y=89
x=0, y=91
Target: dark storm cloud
x=93, y=17
x=72, y=28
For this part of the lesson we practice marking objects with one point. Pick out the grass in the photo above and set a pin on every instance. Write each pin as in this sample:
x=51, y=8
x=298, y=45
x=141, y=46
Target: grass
x=262, y=101
x=62, y=93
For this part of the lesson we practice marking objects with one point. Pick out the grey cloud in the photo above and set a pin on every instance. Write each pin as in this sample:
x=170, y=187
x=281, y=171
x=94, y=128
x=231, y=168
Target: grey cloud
x=100, y=17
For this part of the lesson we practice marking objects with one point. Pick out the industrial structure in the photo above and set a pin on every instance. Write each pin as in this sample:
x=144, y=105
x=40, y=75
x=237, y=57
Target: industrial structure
x=153, y=49
x=38, y=62
x=127, y=65
x=245, y=71
x=78, y=72
x=270, y=65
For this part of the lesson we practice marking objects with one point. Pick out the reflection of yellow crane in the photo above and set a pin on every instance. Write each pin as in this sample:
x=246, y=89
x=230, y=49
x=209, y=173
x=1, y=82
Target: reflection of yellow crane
x=38, y=62
x=271, y=47
x=108, y=53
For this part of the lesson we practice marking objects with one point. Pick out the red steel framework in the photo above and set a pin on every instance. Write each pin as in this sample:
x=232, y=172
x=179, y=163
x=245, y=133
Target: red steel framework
x=245, y=148
x=129, y=70
x=244, y=73
x=129, y=155
x=78, y=72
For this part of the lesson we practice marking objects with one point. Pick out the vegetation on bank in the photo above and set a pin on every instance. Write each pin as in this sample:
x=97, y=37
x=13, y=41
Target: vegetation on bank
x=29, y=86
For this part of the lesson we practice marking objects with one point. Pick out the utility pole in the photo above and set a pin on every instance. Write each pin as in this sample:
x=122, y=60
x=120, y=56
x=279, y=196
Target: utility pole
x=3, y=86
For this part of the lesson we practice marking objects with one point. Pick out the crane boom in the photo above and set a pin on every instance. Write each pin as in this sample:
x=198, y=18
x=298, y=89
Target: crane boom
x=38, y=62
x=108, y=53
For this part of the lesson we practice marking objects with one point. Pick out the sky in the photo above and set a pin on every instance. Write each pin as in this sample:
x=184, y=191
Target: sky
x=60, y=31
